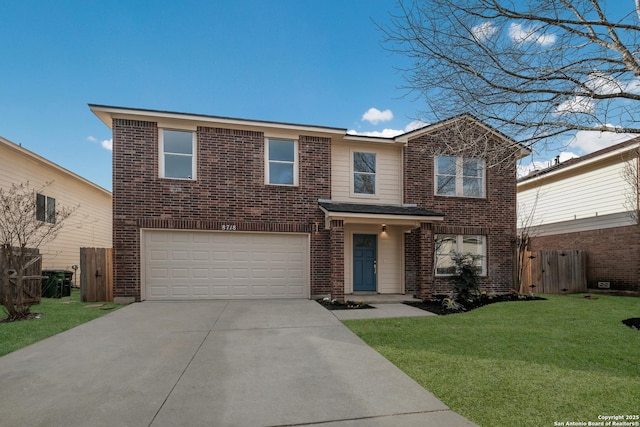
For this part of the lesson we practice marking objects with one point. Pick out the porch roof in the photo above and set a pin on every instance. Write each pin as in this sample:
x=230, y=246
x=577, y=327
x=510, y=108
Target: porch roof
x=409, y=215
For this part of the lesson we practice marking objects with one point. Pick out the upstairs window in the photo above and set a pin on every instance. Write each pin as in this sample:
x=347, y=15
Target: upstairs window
x=45, y=208
x=177, y=159
x=449, y=244
x=281, y=162
x=364, y=173
x=459, y=176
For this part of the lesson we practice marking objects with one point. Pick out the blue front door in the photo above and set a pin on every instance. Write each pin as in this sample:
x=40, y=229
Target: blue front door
x=364, y=262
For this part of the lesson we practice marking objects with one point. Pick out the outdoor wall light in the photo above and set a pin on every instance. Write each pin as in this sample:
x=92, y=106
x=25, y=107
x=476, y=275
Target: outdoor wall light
x=384, y=228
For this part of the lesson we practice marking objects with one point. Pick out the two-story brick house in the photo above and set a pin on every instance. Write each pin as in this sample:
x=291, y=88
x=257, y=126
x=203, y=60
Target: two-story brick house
x=214, y=207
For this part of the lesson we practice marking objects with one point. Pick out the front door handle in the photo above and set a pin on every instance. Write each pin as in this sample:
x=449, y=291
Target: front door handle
x=375, y=267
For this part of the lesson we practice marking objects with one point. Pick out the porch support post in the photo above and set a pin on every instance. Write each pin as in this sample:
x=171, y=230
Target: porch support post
x=337, y=259
x=425, y=261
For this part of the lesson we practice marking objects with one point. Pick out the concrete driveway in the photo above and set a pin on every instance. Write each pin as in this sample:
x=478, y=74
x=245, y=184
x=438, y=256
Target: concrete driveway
x=212, y=363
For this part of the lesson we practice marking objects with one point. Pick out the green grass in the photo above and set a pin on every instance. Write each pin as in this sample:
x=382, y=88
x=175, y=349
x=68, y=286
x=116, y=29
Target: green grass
x=58, y=315
x=521, y=363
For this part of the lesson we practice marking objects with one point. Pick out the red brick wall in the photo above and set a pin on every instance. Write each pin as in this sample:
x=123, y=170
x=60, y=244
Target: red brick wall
x=493, y=216
x=230, y=189
x=337, y=259
x=613, y=254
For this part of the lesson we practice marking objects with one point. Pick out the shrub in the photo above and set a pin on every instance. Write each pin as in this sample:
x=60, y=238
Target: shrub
x=466, y=286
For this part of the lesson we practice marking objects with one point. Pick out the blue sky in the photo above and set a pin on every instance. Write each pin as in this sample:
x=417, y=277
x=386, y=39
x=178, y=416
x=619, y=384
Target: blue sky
x=307, y=62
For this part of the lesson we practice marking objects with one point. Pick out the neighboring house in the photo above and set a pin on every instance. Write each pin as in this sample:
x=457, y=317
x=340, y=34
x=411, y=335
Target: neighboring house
x=215, y=207
x=89, y=225
x=588, y=203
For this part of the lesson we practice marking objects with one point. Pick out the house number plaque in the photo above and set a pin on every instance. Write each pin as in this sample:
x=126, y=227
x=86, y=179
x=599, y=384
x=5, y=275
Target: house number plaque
x=229, y=227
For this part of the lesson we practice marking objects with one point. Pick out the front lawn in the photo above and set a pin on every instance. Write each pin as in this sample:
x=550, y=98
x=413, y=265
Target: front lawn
x=524, y=363
x=58, y=315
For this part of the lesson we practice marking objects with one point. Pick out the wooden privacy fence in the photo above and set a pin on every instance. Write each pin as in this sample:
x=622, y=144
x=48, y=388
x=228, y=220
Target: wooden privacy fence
x=554, y=272
x=96, y=279
x=32, y=277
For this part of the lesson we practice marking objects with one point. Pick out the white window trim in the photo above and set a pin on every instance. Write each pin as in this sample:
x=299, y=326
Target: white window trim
x=459, y=244
x=460, y=178
x=352, y=173
x=267, y=161
x=194, y=149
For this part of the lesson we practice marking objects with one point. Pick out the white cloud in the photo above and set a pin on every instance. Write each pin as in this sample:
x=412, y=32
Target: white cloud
x=590, y=141
x=416, y=124
x=577, y=104
x=603, y=84
x=633, y=86
x=375, y=116
x=585, y=142
x=484, y=31
x=107, y=144
x=390, y=133
x=525, y=168
x=521, y=34
x=384, y=133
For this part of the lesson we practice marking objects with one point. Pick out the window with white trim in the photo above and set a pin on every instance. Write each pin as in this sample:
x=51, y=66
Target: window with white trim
x=459, y=176
x=364, y=173
x=281, y=158
x=449, y=244
x=45, y=208
x=177, y=154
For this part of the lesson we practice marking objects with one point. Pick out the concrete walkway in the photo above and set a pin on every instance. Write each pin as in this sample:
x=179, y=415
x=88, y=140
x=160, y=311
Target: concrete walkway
x=213, y=363
x=381, y=311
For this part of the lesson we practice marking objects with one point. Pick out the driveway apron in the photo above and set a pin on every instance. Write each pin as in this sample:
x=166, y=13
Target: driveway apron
x=212, y=363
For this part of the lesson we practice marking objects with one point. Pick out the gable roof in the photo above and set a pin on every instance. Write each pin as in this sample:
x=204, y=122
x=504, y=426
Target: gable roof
x=106, y=113
x=30, y=154
x=407, y=136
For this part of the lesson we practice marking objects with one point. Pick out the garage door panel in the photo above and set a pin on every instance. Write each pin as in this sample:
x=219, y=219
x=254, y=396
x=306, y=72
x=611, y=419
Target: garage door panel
x=159, y=255
x=180, y=238
x=159, y=273
x=200, y=265
x=180, y=273
x=200, y=255
x=179, y=290
x=200, y=273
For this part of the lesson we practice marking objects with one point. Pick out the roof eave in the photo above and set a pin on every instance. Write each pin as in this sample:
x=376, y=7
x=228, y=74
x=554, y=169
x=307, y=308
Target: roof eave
x=106, y=113
x=541, y=175
x=20, y=149
x=370, y=218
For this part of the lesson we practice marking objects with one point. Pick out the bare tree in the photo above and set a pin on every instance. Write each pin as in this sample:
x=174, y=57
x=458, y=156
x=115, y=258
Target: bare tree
x=465, y=136
x=527, y=228
x=533, y=70
x=632, y=179
x=25, y=223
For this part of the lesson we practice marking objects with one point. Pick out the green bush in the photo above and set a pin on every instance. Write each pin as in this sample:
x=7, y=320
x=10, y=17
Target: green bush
x=466, y=286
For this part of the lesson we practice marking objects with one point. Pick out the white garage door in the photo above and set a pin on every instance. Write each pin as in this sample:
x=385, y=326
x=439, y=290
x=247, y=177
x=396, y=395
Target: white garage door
x=212, y=265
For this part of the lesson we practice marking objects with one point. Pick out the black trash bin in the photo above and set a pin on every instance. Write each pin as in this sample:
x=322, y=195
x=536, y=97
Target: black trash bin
x=56, y=283
x=66, y=285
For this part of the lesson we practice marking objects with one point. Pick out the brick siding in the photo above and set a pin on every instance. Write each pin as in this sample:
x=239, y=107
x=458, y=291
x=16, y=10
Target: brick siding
x=493, y=216
x=612, y=254
x=229, y=189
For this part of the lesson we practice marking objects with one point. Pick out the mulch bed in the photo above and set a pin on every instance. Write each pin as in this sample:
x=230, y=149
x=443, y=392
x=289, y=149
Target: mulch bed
x=434, y=305
x=633, y=322
x=348, y=305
